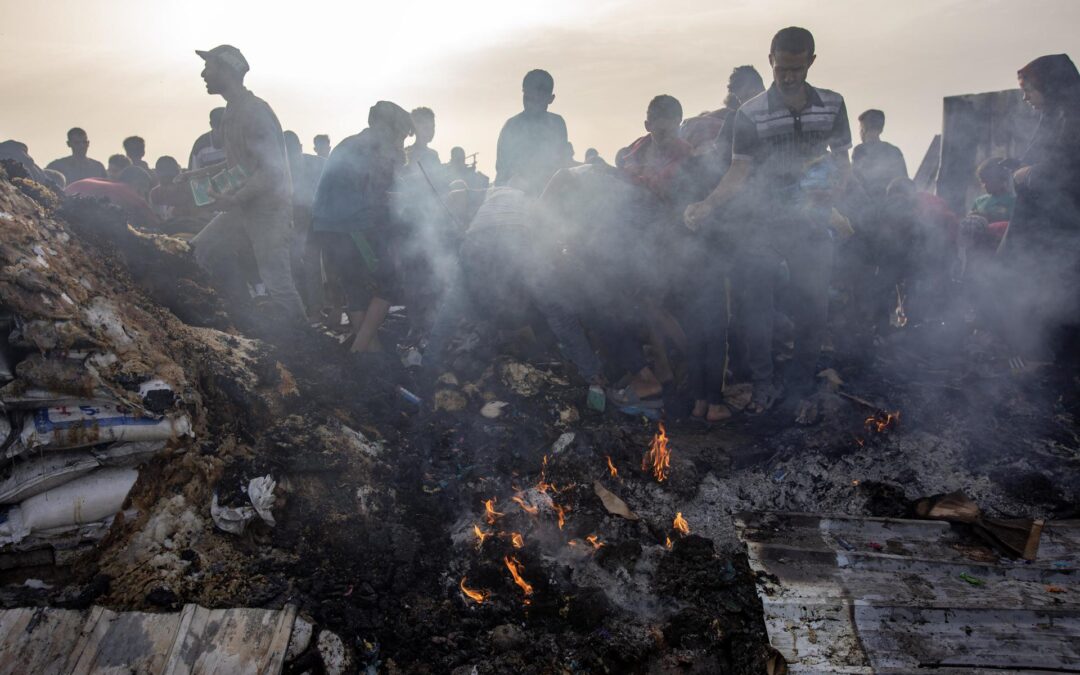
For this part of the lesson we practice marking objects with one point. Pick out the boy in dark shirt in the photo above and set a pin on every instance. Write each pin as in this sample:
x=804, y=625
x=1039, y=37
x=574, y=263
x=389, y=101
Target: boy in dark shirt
x=875, y=162
x=532, y=144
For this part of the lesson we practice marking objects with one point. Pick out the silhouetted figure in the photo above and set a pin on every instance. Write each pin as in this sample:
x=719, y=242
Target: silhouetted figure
x=321, y=143
x=532, y=144
x=78, y=166
x=875, y=162
x=256, y=216
x=135, y=149
x=420, y=153
x=18, y=152
x=117, y=163
x=457, y=169
x=209, y=148
x=744, y=83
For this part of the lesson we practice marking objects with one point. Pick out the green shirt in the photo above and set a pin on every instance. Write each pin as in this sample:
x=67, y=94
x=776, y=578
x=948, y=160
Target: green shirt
x=995, y=208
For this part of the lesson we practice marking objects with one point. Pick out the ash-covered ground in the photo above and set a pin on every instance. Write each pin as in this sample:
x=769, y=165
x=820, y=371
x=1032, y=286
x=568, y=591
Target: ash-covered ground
x=436, y=539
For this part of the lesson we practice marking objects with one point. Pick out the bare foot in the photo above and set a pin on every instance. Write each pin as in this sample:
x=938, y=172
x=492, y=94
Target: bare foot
x=718, y=412
x=700, y=407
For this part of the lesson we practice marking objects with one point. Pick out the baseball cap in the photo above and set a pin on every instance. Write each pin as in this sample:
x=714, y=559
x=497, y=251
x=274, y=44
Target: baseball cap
x=228, y=55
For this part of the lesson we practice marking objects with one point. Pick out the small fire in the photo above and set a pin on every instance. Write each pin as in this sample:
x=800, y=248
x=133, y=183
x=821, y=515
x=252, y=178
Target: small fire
x=517, y=540
x=611, y=468
x=490, y=513
x=531, y=510
x=480, y=535
x=680, y=524
x=477, y=596
x=561, y=513
x=515, y=568
x=658, y=458
x=668, y=544
x=855, y=482
x=899, y=317
x=595, y=541
x=882, y=421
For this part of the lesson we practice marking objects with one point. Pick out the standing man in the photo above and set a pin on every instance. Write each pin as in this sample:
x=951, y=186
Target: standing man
x=532, y=144
x=77, y=166
x=777, y=134
x=321, y=143
x=257, y=215
x=135, y=149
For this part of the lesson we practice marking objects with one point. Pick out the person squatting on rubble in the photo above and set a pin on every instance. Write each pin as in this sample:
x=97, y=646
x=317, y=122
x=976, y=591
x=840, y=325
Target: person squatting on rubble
x=1034, y=299
x=980, y=232
x=256, y=216
x=77, y=165
x=353, y=223
x=776, y=135
x=532, y=144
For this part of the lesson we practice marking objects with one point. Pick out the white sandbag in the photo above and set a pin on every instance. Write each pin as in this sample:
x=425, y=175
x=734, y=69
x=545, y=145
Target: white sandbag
x=70, y=537
x=15, y=397
x=40, y=473
x=93, y=423
x=93, y=497
x=128, y=454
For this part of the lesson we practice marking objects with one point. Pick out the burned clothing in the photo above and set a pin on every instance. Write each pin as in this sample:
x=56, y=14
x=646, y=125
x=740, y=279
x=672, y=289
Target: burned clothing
x=254, y=142
x=531, y=146
x=77, y=168
x=781, y=142
x=876, y=165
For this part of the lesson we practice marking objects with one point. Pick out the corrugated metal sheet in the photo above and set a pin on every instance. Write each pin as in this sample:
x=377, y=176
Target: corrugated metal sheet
x=103, y=642
x=875, y=595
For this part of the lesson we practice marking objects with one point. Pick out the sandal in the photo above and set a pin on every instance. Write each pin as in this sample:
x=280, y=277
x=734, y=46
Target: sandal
x=628, y=398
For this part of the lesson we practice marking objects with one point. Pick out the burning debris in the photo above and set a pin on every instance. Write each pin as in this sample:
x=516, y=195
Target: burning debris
x=658, y=458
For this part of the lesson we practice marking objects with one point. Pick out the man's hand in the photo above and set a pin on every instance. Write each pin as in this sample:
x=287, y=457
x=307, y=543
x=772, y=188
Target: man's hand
x=696, y=214
x=1022, y=176
x=222, y=202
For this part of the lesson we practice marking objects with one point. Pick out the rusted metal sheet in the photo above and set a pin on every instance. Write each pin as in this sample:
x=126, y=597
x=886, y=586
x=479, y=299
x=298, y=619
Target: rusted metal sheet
x=873, y=595
x=103, y=642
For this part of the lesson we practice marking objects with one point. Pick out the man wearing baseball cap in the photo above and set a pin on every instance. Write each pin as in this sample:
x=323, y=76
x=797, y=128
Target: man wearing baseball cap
x=256, y=208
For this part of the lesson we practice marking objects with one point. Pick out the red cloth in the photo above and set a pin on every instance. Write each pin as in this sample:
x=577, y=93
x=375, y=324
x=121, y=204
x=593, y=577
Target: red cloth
x=658, y=178
x=138, y=211
x=933, y=210
x=997, y=231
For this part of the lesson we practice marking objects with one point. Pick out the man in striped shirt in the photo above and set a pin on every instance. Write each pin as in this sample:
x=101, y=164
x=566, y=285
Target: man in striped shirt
x=777, y=135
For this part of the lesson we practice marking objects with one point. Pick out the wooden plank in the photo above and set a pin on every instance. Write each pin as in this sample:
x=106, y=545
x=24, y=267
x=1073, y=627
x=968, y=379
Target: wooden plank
x=127, y=642
x=37, y=639
x=905, y=608
x=243, y=641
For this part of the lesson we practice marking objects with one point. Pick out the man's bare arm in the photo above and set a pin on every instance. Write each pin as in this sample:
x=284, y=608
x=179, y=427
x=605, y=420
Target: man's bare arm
x=733, y=181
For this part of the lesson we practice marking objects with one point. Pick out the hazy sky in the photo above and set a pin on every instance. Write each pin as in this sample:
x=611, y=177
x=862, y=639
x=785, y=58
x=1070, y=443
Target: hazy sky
x=122, y=67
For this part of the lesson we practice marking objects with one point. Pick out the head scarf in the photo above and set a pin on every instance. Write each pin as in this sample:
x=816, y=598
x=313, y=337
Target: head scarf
x=1056, y=78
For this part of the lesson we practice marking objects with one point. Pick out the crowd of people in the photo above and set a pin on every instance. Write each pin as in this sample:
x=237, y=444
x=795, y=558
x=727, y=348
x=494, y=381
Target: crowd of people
x=705, y=247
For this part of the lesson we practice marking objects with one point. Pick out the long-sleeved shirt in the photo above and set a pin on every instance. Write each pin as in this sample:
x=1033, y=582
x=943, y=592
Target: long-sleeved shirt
x=254, y=141
x=353, y=193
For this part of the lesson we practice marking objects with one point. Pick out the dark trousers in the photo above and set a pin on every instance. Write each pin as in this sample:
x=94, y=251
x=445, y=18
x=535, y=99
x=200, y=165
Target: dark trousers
x=705, y=320
x=809, y=261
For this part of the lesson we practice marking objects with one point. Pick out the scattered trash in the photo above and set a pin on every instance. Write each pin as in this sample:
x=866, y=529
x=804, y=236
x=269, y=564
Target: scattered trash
x=261, y=493
x=526, y=380
x=974, y=581
x=412, y=358
x=832, y=378
x=597, y=399
x=91, y=423
x=408, y=396
x=1017, y=537
x=876, y=546
x=563, y=442
x=234, y=519
x=613, y=503
x=450, y=400
x=37, y=584
x=652, y=414
x=568, y=415
x=846, y=546
x=493, y=409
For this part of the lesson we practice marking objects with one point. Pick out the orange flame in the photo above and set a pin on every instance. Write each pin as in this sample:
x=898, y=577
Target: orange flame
x=680, y=524
x=490, y=513
x=611, y=468
x=561, y=513
x=882, y=421
x=477, y=596
x=596, y=543
x=515, y=568
x=480, y=535
x=517, y=540
x=668, y=543
x=531, y=510
x=658, y=458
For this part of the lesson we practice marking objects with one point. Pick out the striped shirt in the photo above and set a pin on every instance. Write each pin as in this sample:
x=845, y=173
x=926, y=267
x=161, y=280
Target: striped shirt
x=781, y=142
